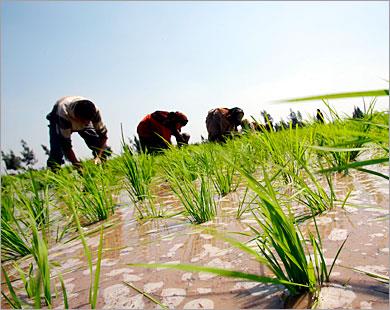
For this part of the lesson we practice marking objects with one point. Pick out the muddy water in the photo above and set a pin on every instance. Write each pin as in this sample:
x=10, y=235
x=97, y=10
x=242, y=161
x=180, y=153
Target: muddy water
x=175, y=240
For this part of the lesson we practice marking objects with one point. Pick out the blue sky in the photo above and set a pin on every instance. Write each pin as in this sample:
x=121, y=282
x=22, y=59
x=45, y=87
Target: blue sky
x=132, y=58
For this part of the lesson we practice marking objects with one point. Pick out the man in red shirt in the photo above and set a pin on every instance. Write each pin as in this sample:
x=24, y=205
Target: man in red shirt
x=155, y=130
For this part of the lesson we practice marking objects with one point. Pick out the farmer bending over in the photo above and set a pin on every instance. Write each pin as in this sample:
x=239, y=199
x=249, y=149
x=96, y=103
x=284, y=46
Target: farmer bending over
x=155, y=130
x=222, y=122
x=75, y=114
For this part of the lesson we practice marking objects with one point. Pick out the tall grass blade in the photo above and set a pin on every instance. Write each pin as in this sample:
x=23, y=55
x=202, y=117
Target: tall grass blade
x=97, y=271
x=146, y=295
x=369, y=93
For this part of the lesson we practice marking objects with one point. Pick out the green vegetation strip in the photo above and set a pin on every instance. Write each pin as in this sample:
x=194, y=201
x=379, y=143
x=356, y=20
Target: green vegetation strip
x=369, y=93
x=357, y=164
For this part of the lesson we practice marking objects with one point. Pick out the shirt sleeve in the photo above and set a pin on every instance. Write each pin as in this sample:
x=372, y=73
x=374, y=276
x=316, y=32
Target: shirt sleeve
x=99, y=126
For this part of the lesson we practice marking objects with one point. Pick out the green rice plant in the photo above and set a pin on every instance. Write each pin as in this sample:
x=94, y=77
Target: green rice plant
x=311, y=193
x=37, y=281
x=7, y=204
x=14, y=301
x=14, y=241
x=34, y=199
x=40, y=253
x=94, y=278
x=186, y=162
x=95, y=201
x=281, y=242
x=345, y=149
x=95, y=290
x=27, y=279
x=243, y=205
x=358, y=165
x=369, y=93
x=214, y=166
x=375, y=139
x=138, y=171
x=280, y=246
x=148, y=209
x=198, y=201
x=91, y=193
x=284, y=148
x=64, y=293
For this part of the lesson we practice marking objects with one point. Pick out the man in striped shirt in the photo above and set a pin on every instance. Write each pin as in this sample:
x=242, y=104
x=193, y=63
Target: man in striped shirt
x=75, y=114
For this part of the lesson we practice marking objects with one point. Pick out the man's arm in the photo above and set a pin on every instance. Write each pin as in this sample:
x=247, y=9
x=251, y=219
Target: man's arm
x=71, y=156
x=101, y=130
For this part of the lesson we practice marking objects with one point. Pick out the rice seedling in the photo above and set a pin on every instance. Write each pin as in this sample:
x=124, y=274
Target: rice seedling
x=285, y=148
x=281, y=246
x=34, y=199
x=198, y=203
x=281, y=236
x=148, y=209
x=95, y=201
x=310, y=192
x=91, y=193
x=38, y=281
x=138, y=171
x=94, y=278
x=341, y=149
x=243, y=205
x=221, y=174
x=14, y=301
x=15, y=241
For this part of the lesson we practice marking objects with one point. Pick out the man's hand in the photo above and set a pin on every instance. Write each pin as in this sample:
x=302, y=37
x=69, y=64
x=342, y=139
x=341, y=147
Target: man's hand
x=97, y=160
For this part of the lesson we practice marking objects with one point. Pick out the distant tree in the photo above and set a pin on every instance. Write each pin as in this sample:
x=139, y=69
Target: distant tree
x=357, y=113
x=12, y=162
x=46, y=149
x=28, y=156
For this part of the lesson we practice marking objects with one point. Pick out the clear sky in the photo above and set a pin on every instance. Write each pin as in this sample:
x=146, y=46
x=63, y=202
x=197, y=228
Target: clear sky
x=132, y=58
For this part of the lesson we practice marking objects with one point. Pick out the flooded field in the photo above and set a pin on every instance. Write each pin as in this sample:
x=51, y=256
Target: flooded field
x=296, y=218
x=364, y=220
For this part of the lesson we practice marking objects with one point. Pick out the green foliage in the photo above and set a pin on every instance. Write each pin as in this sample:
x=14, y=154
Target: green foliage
x=138, y=171
x=91, y=192
x=197, y=199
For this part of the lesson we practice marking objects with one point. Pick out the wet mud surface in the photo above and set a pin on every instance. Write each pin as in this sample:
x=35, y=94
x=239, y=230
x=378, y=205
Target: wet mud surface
x=364, y=220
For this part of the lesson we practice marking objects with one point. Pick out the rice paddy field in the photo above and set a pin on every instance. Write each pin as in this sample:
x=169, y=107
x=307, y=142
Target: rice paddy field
x=291, y=219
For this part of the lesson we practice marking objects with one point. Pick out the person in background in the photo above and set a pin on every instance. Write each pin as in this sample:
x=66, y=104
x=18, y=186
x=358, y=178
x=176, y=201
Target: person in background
x=75, y=114
x=320, y=116
x=222, y=122
x=156, y=129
